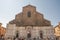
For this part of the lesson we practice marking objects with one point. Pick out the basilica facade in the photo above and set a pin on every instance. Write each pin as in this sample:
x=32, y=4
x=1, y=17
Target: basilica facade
x=29, y=24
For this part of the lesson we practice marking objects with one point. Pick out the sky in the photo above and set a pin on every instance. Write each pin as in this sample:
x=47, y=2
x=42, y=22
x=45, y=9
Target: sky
x=49, y=8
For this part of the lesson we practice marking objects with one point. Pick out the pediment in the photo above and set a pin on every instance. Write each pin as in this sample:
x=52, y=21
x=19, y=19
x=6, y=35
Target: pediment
x=29, y=16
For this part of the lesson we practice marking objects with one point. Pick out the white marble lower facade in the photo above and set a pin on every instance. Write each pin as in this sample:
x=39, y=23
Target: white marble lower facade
x=23, y=31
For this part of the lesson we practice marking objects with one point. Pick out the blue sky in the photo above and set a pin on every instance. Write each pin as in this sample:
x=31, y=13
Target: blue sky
x=49, y=8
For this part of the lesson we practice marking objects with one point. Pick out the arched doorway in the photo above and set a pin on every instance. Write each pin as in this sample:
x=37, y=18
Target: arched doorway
x=29, y=35
x=17, y=34
x=41, y=34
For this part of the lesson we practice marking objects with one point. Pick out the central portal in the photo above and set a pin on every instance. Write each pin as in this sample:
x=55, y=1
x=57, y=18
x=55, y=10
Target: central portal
x=29, y=35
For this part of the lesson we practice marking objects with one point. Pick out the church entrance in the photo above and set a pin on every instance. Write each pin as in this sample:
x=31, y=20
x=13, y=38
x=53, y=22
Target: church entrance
x=17, y=34
x=29, y=35
x=41, y=34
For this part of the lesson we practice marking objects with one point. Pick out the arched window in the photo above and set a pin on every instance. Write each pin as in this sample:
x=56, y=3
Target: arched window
x=29, y=14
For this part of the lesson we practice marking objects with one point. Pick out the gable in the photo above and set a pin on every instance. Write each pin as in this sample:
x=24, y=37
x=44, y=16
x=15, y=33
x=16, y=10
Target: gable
x=29, y=16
